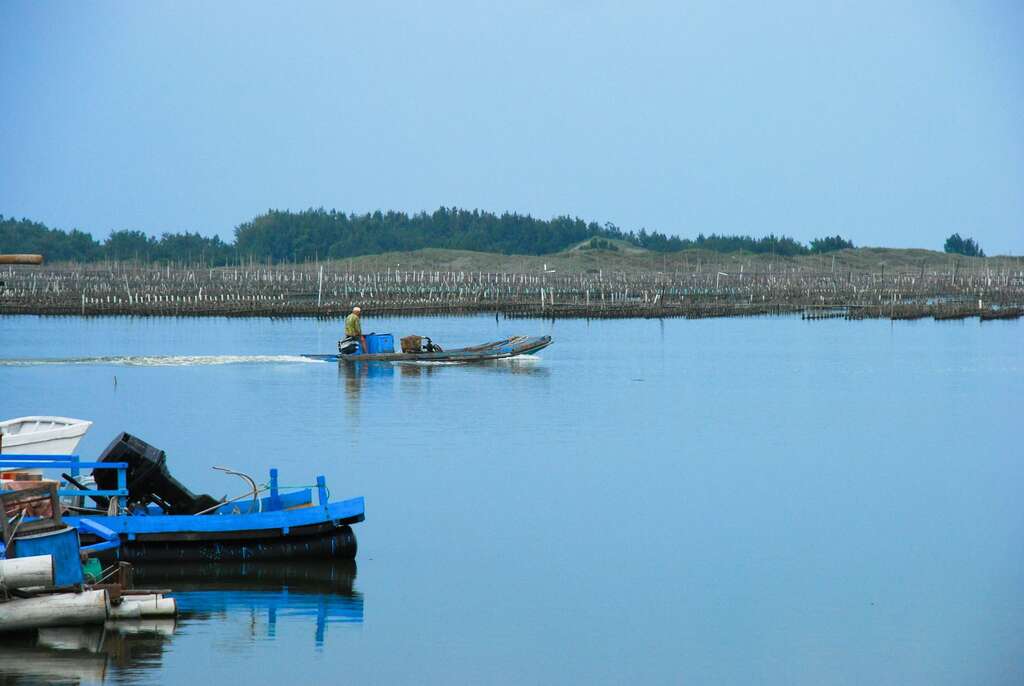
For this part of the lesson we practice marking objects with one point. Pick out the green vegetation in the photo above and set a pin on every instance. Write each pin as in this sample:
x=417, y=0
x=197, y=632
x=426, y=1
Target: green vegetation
x=830, y=244
x=24, y=236
x=961, y=246
x=177, y=247
x=775, y=245
x=284, y=236
x=311, y=234
x=296, y=236
x=596, y=243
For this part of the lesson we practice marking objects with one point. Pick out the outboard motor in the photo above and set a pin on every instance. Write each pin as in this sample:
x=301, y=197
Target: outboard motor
x=419, y=344
x=348, y=346
x=148, y=478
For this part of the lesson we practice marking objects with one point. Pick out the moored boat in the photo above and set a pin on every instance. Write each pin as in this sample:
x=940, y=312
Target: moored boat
x=308, y=530
x=140, y=513
x=42, y=435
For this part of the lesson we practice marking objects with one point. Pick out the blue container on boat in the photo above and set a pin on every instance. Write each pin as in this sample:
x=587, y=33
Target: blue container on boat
x=63, y=545
x=380, y=343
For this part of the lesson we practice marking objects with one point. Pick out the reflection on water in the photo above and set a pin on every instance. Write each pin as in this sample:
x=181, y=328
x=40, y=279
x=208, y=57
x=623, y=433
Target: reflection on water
x=357, y=374
x=314, y=594
x=321, y=591
x=74, y=655
x=360, y=378
x=407, y=386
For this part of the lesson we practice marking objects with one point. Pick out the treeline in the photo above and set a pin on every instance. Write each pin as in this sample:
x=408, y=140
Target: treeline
x=963, y=246
x=24, y=236
x=284, y=236
x=777, y=245
x=320, y=233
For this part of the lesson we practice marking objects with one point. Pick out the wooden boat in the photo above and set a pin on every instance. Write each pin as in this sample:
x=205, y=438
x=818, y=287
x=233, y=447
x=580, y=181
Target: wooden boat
x=496, y=350
x=280, y=527
x=140, y=513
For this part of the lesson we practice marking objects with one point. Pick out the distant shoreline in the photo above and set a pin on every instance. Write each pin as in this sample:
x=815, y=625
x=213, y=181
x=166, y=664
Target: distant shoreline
x=853, y=284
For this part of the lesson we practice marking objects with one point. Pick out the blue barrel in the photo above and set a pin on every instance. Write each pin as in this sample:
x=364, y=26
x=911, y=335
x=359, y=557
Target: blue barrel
x=380, y=343
x=63, y=545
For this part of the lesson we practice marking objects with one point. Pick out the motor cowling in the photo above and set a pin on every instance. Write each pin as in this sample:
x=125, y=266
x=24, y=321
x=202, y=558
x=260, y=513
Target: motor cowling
x=148, y=479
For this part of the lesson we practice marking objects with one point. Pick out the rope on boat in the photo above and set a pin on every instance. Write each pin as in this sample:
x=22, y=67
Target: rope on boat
x=107, y=573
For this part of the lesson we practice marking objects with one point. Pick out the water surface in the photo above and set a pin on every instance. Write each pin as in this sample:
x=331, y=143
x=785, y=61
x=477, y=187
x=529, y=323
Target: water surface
x=716, y=501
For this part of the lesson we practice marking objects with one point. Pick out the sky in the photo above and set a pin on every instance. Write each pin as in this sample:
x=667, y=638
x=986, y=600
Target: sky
x=890, y=123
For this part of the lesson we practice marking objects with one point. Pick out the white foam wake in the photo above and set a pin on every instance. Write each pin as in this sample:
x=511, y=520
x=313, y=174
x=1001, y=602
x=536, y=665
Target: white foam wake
x=156, y=360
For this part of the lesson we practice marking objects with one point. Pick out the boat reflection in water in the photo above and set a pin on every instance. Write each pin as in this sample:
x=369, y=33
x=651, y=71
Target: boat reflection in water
x=316, y=593
x=322, y=591
x=357, y=374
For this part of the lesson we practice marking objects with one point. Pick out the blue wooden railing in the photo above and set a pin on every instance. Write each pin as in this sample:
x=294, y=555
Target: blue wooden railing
x=74, y=465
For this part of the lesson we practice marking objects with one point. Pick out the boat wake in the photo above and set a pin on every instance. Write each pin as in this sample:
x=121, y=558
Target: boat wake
x=157, y=360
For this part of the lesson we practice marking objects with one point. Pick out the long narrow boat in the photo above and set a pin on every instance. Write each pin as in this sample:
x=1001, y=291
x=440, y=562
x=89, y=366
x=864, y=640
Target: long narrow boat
x=496, y=350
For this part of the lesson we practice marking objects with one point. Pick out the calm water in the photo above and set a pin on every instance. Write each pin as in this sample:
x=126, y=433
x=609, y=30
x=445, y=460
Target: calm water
x=723, y=501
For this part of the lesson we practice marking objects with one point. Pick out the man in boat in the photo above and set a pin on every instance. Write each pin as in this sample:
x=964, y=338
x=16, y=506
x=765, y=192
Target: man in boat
x=354, y=329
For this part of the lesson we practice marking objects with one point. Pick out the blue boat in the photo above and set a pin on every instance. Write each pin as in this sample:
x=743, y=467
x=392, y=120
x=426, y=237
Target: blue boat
x=140, y=513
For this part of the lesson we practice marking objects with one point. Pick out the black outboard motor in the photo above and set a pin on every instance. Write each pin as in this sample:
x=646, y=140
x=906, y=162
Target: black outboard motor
x=148, y=478
x=348, y=345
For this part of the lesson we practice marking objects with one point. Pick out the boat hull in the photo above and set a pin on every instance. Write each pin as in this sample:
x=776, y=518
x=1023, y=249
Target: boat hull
x=509, y=347
x=41, y=435
x=332, y=543
x=314, y=532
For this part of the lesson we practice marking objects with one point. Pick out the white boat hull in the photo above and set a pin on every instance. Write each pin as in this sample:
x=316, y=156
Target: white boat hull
x=41, y=435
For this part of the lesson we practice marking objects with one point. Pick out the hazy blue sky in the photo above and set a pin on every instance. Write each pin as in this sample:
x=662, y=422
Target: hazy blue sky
x=892, y=123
